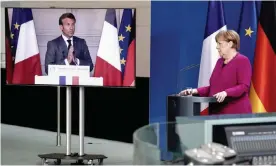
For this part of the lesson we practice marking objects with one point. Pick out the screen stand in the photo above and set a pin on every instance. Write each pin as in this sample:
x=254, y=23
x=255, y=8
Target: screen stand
x=58, y=142
x=68, y=120
x=81, y=120
x=78, y=157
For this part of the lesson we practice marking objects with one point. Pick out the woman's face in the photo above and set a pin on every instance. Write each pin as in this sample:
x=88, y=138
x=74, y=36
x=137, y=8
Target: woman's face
x=223, y=47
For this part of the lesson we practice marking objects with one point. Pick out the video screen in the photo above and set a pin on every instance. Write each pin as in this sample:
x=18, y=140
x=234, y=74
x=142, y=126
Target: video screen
x=70, y=47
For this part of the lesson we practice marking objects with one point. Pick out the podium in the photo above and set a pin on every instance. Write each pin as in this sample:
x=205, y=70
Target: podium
x=177, y=105
x=63, y=75
x=186, y=105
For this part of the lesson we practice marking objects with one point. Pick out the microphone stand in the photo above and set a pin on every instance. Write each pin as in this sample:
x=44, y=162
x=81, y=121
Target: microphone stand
x=187, y=68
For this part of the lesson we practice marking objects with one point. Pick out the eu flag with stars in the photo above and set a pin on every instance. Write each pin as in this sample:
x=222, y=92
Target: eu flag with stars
x=248, y=29
x=124, y=37
x=19, y=17
x=25, y=47
x=17, y=20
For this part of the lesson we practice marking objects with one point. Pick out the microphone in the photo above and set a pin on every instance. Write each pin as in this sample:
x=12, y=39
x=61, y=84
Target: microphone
x=187, y=68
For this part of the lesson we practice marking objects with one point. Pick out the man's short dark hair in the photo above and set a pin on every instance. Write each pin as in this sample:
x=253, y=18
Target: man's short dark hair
x=66, y=15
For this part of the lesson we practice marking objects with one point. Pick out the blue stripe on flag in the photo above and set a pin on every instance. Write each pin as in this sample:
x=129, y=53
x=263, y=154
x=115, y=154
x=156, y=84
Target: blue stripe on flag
x=110, y=17
x=215, y=18
x=19, y=17
x=124, y=36
x=248, y=29
x=62, y=80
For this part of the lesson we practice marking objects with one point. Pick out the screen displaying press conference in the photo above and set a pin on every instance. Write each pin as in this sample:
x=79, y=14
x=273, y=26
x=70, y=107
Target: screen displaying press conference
x=70, y=47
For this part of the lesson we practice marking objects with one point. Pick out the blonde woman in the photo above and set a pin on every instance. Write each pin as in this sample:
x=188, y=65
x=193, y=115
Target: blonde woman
x=230, y=78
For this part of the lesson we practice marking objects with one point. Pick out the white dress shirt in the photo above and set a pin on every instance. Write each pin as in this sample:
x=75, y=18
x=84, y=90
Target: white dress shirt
x=65, y=39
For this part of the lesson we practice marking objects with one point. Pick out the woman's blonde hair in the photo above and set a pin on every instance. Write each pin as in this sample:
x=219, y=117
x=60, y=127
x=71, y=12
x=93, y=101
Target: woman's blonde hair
x=230, y=35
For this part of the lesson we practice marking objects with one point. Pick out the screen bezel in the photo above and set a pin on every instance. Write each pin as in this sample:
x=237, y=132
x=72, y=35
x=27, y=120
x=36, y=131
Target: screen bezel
x=66, y=7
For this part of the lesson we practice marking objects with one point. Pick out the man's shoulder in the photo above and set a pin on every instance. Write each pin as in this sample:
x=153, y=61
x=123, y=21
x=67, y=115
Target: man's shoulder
x=78, y=38
x=55, y=39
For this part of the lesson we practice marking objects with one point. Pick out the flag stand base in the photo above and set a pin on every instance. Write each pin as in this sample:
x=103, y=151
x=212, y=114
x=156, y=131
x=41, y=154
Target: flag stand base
x=87, y=159
x=78, y=157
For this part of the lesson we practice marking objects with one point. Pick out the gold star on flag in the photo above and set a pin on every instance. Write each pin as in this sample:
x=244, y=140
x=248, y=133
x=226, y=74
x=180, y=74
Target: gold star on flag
x=12, y=36
x=121, y=50
x=248, y=32
x=16, y=26
x=128, y=28
x=121, y=38
x=123, y=61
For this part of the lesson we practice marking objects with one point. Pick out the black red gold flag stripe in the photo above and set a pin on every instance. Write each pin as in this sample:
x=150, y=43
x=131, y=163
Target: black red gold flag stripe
x=263, y=88
x=9, y=59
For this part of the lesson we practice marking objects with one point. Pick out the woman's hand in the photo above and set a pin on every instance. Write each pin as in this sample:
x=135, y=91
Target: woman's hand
x=188, y=92
x=220, y=96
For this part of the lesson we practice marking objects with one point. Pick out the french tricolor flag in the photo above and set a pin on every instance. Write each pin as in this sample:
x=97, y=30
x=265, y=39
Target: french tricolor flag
x=63, y=80
x=23, y=38
x=209, y=55
x=108, y=63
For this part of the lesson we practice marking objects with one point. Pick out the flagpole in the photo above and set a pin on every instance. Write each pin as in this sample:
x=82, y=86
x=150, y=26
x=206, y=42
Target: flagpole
x=58, y=143
x=81, y=120
x=68, y=120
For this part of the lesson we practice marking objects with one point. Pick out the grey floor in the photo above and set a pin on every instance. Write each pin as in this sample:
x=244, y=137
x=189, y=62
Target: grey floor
x=21, y=146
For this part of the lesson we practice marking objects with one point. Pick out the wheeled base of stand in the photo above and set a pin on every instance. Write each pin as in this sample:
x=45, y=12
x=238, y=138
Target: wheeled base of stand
x=74, y=156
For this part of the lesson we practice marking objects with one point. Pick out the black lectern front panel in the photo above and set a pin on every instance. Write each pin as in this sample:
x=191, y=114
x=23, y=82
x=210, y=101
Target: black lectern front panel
x=186, y=105
x=182, y=106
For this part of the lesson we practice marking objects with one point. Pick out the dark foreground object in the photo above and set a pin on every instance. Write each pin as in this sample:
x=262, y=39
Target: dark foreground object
x=74, y=156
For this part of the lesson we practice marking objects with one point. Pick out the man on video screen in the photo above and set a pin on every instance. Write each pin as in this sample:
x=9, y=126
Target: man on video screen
x=67, y=49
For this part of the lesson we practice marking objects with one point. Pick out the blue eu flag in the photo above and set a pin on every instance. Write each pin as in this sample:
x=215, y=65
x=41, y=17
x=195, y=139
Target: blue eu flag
x=125, y=37
x=248, y=29
x=20, y=16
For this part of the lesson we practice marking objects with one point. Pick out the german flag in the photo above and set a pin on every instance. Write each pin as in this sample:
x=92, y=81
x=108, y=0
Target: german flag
x=9, y=57
x=263, y=87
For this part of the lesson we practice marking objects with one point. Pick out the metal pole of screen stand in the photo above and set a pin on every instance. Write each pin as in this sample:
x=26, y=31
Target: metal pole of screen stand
x=68, y=120
x=81, y=120
x=90, y=157
x=58, y=143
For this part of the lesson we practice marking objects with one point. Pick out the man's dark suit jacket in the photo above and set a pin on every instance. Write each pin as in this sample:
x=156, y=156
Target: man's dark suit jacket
x=57, y=52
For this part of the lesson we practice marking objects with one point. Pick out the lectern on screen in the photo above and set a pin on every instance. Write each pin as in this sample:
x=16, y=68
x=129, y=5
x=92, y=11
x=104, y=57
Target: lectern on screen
x=70, y=47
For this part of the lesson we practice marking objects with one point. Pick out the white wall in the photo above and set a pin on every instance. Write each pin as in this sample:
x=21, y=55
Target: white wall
x=93, y=17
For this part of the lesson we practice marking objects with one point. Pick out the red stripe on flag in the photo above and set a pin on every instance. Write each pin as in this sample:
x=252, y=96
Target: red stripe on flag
x=9, y=58
x=205, y=112
x=111, y=75
x=25, y=71
x=75, y=80
x=9, y=62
